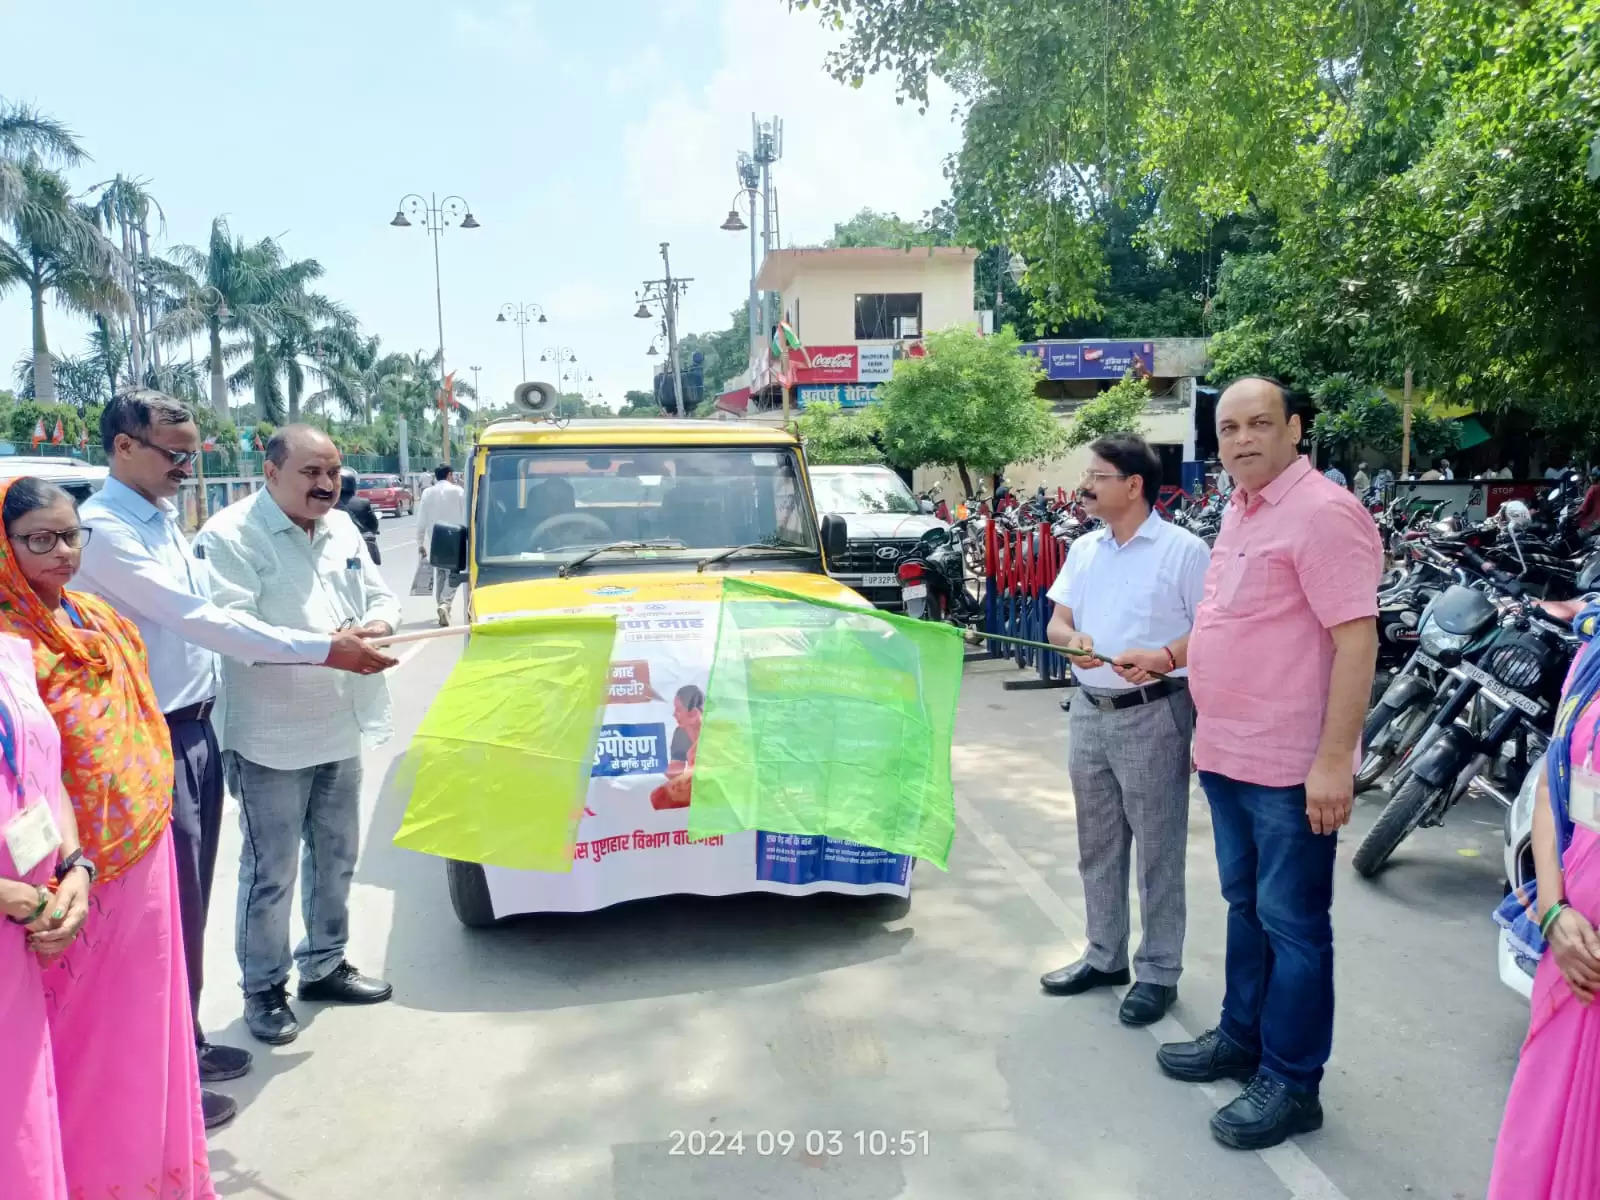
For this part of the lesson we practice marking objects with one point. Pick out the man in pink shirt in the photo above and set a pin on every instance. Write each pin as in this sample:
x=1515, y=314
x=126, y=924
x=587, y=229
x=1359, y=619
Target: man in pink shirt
x=1280, y=668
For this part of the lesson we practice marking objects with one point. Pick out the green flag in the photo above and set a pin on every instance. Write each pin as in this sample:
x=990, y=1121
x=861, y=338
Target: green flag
x=499, y=769
x=829, y=720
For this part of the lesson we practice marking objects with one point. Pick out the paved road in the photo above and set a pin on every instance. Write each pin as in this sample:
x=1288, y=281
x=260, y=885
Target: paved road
x=562, y=1056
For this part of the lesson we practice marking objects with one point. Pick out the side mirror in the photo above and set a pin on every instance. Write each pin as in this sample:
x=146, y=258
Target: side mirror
x=925, y=505
x=835, y=537
x=447, y=548
x=937, y=536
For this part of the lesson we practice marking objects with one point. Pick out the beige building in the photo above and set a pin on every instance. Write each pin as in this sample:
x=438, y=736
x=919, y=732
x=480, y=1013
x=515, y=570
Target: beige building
x=857, y=310
x=871, y=293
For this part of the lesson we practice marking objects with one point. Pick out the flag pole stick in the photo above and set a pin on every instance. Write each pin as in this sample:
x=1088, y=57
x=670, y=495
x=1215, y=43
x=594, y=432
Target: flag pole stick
x=974, y=636
x=977, y=637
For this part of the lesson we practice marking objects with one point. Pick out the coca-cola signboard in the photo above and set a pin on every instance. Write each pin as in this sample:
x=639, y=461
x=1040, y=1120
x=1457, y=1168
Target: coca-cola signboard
x=828, y=364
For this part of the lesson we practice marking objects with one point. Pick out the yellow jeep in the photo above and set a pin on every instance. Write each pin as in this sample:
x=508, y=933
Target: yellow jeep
x=640, y=518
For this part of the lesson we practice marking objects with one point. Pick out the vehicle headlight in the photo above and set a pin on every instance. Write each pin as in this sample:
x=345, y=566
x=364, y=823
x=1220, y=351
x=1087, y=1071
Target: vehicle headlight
x=1437, y=642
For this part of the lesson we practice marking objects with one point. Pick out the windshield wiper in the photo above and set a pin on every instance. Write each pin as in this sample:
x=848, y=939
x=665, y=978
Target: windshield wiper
x=770, y=547
x=656, y=544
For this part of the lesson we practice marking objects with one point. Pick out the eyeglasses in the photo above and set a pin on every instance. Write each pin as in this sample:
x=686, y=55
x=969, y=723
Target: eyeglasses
x=180, y=458
x=1103, y=475
x=42, y=541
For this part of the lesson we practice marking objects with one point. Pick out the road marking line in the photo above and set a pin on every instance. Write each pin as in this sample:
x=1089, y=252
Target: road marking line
x=408, y=654
x=1294, y=1169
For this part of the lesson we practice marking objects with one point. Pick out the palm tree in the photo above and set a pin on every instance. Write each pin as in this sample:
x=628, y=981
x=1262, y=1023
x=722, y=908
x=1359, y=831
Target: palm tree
x=230, y=287
x=123, y=207
x=27, y=134
x=274, y=362
x=55, y=247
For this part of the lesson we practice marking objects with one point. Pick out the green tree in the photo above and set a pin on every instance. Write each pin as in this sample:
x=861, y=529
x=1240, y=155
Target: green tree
x=969, y=403
x=1118, y=409
x=727, y=352
x=1353, y=418
x=123, y=208
x=1418, y=173
x=872, y=228
x=28, y=135
x=247, y=290
x=54, y=250
x=833, y=436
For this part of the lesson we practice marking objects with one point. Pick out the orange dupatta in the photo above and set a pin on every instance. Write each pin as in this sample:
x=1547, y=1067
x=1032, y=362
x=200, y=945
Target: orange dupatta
x=116, y=756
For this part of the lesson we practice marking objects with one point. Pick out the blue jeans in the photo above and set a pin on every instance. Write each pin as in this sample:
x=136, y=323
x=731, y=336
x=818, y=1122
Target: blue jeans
x=308, y=818
x=1277, y=877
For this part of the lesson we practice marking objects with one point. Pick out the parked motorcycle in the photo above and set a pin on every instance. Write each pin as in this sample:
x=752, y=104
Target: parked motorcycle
x=1489, y=722
x=933, y=585
x=1454, y=626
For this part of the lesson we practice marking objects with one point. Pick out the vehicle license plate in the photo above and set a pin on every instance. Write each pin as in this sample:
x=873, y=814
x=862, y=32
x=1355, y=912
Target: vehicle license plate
x=916, y=591
x=1424, y=660
x=880, y=580
x=1490, y=684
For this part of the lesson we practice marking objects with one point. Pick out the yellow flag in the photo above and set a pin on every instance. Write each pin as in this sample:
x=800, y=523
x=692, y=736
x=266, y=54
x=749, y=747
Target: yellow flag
x=500, y=767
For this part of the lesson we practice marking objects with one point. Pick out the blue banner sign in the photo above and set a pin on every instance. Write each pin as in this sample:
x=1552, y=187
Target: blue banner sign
x=845, y=395
x=1092, y=360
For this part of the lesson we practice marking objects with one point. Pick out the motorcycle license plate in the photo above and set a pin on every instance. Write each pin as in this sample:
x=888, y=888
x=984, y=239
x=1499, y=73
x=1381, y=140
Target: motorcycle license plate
x=1424, y=660
x=915, y=591
x=1490, y=684
x=880, y=581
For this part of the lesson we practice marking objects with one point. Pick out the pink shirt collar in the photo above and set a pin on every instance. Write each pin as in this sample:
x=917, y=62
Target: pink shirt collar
x=1277, y=489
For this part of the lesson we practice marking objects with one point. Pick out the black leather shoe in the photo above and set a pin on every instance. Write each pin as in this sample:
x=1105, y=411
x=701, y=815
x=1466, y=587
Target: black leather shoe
x=1210, y=1057
x=346, y=985
x=1080, y=977
x=1267, y=1112
x=221, y=1062
x=269, y=1018
x=1147, y=1003
x=217, y=1108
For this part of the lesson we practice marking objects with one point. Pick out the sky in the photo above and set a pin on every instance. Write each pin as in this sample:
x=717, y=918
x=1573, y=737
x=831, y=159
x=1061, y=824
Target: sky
x=581, y=136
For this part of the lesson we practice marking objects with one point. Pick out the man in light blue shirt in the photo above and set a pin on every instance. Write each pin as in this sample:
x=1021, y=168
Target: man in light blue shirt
x=139, y=561
x=1125, y=601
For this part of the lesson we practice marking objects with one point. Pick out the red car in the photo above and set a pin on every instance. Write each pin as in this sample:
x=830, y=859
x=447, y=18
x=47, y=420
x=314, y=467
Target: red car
x=386, y=494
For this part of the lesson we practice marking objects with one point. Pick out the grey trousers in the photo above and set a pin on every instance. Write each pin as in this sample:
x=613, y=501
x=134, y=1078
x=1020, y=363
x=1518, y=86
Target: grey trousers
x=1130, y=785
x=444, y=592
x=310, y=820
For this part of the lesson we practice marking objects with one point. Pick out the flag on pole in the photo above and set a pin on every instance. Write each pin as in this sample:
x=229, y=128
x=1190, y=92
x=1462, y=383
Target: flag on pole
x=39, y=434
x=59, y=435
x=828, y=720
x=83, y=439
x=209, y=444
x=447, y=394
x=499, y=768
x=785, y=340
x=257, y=441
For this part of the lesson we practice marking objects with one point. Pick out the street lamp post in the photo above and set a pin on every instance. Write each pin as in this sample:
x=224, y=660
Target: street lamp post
x=521, y=315
x=665, y=292
x=561, y=358
x=436, y=216
x=750, y=185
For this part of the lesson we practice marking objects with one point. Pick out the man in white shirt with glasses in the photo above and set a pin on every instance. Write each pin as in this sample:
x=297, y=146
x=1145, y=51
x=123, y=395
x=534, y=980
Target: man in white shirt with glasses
x=1125, y=601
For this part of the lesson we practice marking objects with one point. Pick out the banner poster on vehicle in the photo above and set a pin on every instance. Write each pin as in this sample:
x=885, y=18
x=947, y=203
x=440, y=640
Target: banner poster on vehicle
x=633, y=838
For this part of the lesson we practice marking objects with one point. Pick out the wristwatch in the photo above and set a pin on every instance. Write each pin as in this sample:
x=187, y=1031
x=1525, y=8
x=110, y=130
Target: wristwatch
x=76, y=859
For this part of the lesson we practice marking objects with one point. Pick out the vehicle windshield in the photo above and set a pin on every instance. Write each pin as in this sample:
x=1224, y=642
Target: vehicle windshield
x=544, y=505
x=861, y=492
x=380, y=481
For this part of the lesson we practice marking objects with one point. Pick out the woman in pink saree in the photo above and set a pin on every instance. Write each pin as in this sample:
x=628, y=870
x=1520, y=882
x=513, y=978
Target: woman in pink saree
x=1549, y=1144
x=30, y=1154
x=116, y=995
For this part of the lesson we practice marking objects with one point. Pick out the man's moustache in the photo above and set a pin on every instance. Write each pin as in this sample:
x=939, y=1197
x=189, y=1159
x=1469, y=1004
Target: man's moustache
x=322, y=495
x=1088, y=495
